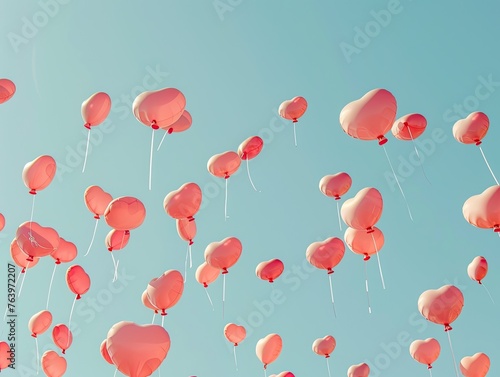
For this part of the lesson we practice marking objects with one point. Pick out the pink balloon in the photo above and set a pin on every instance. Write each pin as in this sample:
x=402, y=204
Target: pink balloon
x=335, y=185
x=223, y=254
x=324, y=346
x=472, y=129
x=40, y=322
x=224, y=165
x=180, y=125
x=104, y=352
x=36, y=240
x=184, y=202
x=137, y=351
x=2, y=222
x=39, y=173
x=125, y=213
x=326, y=254
x=117, y=239
x=370, y=117
x=477, y=269
x=147, y=302
x=269, y=348
x=293, y=109
x=441, y=306
x=159, y=108
x=363, y=243
x=364, y=210
x=165, y=291
x=206, y=274
x=4, y=355
x=483, y=210
x=20, y=258
x=7, y=90
x=234, y=333
x=97, y=200
x=53, y=365
x=62, y=337
x=96, y=109
x=477, y=365
x=409, y=127
x=359, y=370
x=283, y=374
x=78, y=280
x=425, y=351
x=269, y=270
x=250, y=148
x=65, y=252
x=186, y=229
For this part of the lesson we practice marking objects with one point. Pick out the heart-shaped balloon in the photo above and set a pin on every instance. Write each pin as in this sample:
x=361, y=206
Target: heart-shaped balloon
x=293, y=109
x=364, y=210
x=117, y=239
x=53, y=365
x=270, y=270
x=477, y=269
x=96, y=109
x=335, y=185
x=7, y=90
x=147, y=302
x=250, y=148
x=125, y=213
x=4, y=355
x=472, y=129
x=2, y=222
x=206, y=274
x=20, y=258
x=165, y=291
x=326, y=254
x=78, y=280
x=223, y=254
x=40, y=322
x=62, y=337
x=180, y=125
x=425, y=351
x=269, y=348
x=137, y=351
x=359, y=370
x=283, y=374
x=66, y=252
x=184, y=202
x=409, y=127
x=186, y=229
x=324, y=346
x=363, y=243
x=35, y=240
x=370, y=117
x=483, y=210
x=441, y=306
x=159, y=108
x=224, y=165
x=104, y=352
x=477, y=365
x=234, y=333
x=97, y=200
x=39, y=173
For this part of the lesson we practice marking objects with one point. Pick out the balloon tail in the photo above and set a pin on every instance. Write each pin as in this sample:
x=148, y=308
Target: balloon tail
x=190, y=257
x=488, y=165
x=154, y=316
x=209, y=299
x=151, y=157
x=161, y=142
x=22, y=282
x=37, y=357
x=115, y=265
x=366, y=287
x=418, y=155
x=223, y=294
x=489, y=294
x=235, y=360
x=378, y=259
x=249, y=177
x=93, y=236
x=86, y=151
x=294, y=133
x=50, y=286
x=452, y=354
x=397, y=181
x=70, y=317
x=331, y=294
x=328, y=367
x=338, y=215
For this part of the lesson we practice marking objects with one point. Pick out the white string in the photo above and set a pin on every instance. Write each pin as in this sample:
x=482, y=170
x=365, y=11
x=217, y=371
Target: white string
x=50, y=286
x=378, y=258
x=86, y=151
x=225, y=203
x=185, y=266
x=331, y=294
x=452, y=354
x=235, y=360
x=366, y=286
x=93, y=236
x=249, y=177
x=418, y=155
x=338, y=214
x=209, y=299
x=115, y=264
x=487, y=291
x=294, y=133
x=71, y=316
x=430, y=372
x=488, y=165
x=190, y=257
x=162, y=320
x=32, y=210
x=151, y=157
x=154, y=316
x=116, y=370
x=22, y=282
x=328, y=367
x=37, y=356
x=161, y=142
x=223, y=294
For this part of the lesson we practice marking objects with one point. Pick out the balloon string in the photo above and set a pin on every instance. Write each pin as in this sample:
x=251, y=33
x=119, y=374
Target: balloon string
x=22, y=282
x=161, y=142
x=116, y=370
x=225, y=204
x=331, y=294
x=209, y=299
x=123, y=239
x=185, y=266
x=50, y=286
x=487, y=291
x=430, y=372
x=235, y=360
x=223, y=294
x=190, y=257
x=397, y=181
x=154, y=316
x=37, y=357
x=32, y=211
x=328, y=367
x=418, y=155
x=93, y=236
x=488, y=165
x=151, y=157
x=115, y=264
x=86, y=151
x=366, y=287
x=338, y=215
x=378, y=258
x=294, y=134
x=162, y=320
x=69, y=322
x=452, y=354
x=249, y=177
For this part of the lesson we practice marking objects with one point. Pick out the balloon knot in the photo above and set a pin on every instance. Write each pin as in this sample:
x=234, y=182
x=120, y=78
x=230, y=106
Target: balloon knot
x=447, y=327
x=496, y=228
x=127, y=232
x=478, y=142
x=205, y=285
x=265, y=366
x=78, y=296
x=479, y=281
x=191, y=242
x=366, y=257
x=370, y=230
x=271, y=280
x=163, y=312
x=327, y=356
x=170, y=130
x=33, y=335
x=429, y=366
x=382, y=140
x=30, y=258
x=224, y=270
x=190, y=218
x=110, y=249
x=337, y=197
x=64, y=352
x=96, y=216
x=33, y=191
x=330, y=271
x=154, y=126
x=405, y=124
x=226, y=176
x=23, y=270
x=243, y=156
x=58, y=261
x=236, y=344
x=87, y=126
x=156, y=311
x=294, y=120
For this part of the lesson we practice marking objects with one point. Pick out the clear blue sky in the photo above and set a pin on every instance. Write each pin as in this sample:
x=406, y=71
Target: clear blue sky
x=236, y=61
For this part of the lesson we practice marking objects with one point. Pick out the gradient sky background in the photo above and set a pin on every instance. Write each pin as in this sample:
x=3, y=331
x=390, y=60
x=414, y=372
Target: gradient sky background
x=235, y=69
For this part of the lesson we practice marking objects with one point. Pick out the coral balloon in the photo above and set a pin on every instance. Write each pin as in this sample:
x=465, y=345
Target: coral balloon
x=283, y=374
x=441, y=306
x=364, y=243
x=159, y=108
x=62, y=337
x=477, y=365
x=7, y=90
x=224, y=165
x=269, y=348
x=250, y=148
x=370, y=117
x=39, y=173
x=293, y=109
x=117, y=239
x=425, y=351
x=184, y=202
x=483, y=210
x=104, y=352
x=97, y=200
x=270, y=270
x=40, y=322
x=53, y=365
x=206, y=274
x=65, y=252
x=137, y=351
x=364, y=210
x=326, y=254
x=20, y=258
x=2, y=222
x=186, y=230
x=96, y=109
x=359, y=370
x=180, y=125
x=335, y=185
x=477, y=269
x=472, y=129
x=78, y=280
x=165, y=291
x=234, y=333
x=409, y=127
x=4, y=355
x=147, y=302
x=36, y=241
x=324, y=346
x=125, y=213
x=223, y=254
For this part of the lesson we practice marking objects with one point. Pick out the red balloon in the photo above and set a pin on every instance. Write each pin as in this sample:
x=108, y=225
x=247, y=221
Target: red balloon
x=477, y=269
x=165, y=291
x=362, y=243
x=186, y=229
x=483, y=210
x=36, y=240
x=125, y=213
x=223, y=254
x=96, y=109
x=364, y=210
x=4, y=355
x=62, y=337
x=147, y=302
x=206, y=274
x=2, y=222
x=472, y=129
x=97, y=200
x=65, y=252
x=324, y=346
x=359, y=370
x=224, y=165
x=20, y=258
x=335, y=185
x=7, y=90
x=477, y=365
x=184, y=202
x=78, y=280
x=409, y=127
x=250, y=148
x=269, y=270
x=425, y=351
x=269, y=348
x=117, y=239
x=39, y=173
x=53, y=365
x=234, y=333
x=293, y=109
x=326, y=254
x=104, y=352
x=181, y=124
x=40, y=322
x=441, y=306
x=159, y=108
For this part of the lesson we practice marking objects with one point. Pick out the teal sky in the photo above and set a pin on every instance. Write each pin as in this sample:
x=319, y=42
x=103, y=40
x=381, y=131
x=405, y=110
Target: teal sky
x=235, y=66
